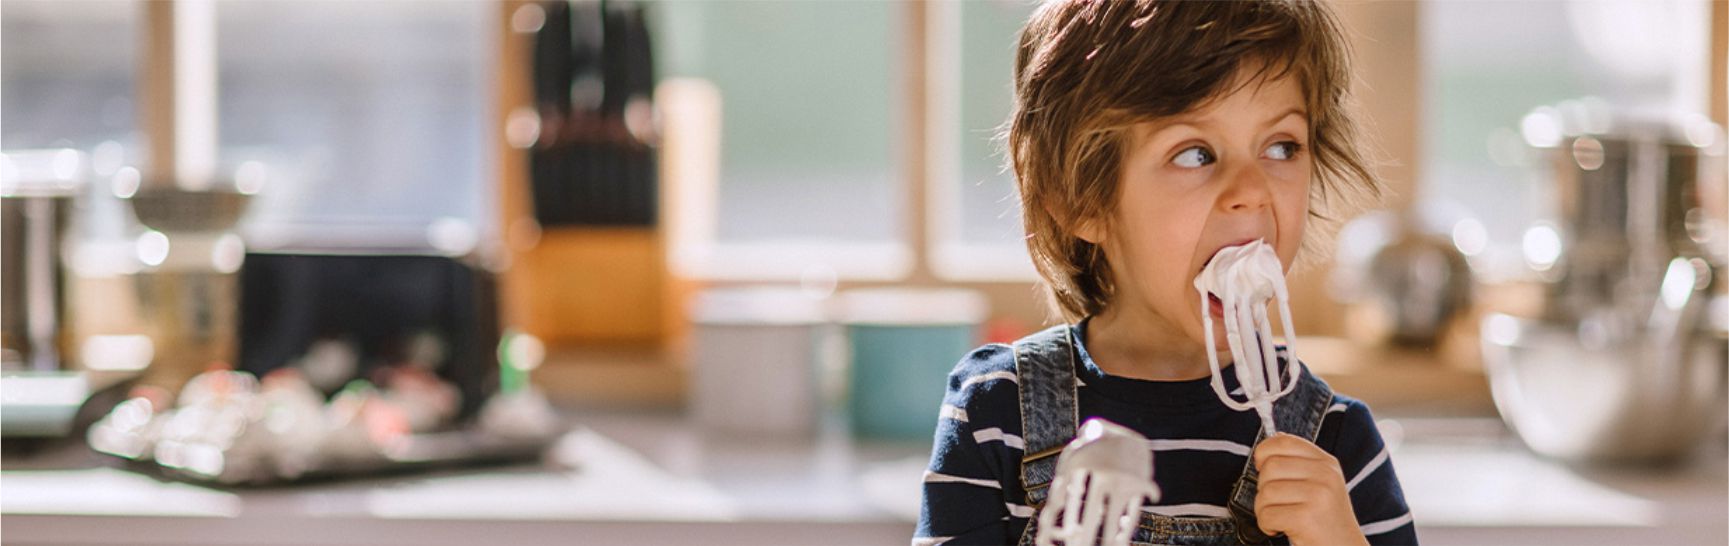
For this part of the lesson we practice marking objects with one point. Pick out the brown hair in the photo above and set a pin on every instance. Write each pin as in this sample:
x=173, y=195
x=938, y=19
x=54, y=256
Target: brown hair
x=1088, y=70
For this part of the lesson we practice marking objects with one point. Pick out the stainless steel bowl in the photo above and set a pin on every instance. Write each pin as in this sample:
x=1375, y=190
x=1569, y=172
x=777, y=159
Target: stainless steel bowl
x=1627, y=400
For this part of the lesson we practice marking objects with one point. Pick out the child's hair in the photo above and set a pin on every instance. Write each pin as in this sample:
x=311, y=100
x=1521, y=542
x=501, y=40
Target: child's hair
x=1088, y=70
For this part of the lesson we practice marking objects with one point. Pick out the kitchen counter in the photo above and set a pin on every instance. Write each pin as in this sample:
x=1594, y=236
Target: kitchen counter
x=651, y=477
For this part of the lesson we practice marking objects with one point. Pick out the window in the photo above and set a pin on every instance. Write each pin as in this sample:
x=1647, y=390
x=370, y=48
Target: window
x=976, y=229
x=808, y=174
x=70, y=73
x=372, y=119
x=1487, y=64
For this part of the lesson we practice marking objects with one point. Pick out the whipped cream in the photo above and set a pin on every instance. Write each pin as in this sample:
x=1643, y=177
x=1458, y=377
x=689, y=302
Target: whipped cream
x=1244, y=278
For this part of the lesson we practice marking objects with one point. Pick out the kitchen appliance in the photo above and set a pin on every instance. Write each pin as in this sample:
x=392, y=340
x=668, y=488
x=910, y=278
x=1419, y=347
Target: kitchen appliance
x=1402, y=281
x=191, y=256
x=40, y=397
x=362, y=348
x=1625, y=358
x=37, y=189
x=346, y=316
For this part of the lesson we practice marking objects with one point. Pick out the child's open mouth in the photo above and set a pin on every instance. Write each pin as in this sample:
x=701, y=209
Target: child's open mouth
x=1251, y=274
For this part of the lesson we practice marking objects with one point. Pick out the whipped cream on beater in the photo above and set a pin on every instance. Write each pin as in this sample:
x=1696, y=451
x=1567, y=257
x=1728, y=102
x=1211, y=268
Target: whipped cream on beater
x=1244, y=278
x=1104, y=476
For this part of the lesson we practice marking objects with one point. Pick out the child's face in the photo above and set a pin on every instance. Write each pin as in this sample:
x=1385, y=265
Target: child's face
x=1236, y=170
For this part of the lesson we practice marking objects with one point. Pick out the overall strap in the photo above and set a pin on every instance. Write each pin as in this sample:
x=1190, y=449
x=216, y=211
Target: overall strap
x=1298, y=413
x=1045, y=369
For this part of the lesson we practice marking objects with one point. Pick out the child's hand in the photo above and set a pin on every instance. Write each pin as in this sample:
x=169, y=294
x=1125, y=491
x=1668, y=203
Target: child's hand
x=1302, y=494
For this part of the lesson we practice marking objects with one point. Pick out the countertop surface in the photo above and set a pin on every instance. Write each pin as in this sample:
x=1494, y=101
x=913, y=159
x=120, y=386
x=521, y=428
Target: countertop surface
x=653, y=477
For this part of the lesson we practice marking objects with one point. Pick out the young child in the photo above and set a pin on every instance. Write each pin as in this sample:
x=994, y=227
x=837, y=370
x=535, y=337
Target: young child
x=1147, y=135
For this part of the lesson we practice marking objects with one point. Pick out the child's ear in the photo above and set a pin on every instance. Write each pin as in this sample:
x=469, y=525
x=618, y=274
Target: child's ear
x=1091, y=230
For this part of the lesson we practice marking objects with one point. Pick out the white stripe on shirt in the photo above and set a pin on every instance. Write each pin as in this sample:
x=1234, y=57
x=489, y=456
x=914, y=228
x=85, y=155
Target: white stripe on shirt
x=1199, y=445
x=981, y=378
x=1019, y=511
x=951, y=412
x=1335, y=408
x=1386, y=525
x=1380, y=459
x=938, y=477
x=1192, y=509
x=930, y=541
x=994, y=434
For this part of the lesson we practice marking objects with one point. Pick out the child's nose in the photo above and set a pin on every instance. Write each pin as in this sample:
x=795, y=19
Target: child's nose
x=1248, y=189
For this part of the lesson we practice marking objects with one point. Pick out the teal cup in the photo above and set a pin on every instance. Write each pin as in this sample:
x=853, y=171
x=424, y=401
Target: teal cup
x=902, y=345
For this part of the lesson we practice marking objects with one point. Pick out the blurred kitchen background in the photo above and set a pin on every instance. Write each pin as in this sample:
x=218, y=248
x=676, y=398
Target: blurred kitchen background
x=429, y=272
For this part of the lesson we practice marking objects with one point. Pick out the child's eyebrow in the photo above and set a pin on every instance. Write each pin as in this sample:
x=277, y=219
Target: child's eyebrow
x=1299, y=112
x=1207, y=122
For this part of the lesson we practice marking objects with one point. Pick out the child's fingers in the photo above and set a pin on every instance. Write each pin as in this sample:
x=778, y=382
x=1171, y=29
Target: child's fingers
x=1301, y=491
x=1285, y=467
x=1286, y=445
x=1305, y=509
x=1291, y=492
x=1287, y=441
x=1279, y=519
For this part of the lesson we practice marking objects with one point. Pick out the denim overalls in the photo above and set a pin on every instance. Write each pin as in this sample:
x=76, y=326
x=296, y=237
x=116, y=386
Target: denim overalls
x=1045, y=364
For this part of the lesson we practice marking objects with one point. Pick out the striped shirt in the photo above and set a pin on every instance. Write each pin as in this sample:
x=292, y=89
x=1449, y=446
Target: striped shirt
x=972, y=490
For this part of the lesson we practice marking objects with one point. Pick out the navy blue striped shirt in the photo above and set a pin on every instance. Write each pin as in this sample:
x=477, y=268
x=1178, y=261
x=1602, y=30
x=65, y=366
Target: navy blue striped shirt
x=972, y=490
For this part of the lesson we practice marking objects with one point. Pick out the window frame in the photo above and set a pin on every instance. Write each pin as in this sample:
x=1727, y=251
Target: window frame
x=951, y=257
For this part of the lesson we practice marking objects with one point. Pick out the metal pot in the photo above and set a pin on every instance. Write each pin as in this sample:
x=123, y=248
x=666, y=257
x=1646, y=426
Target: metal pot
x=1624, y=360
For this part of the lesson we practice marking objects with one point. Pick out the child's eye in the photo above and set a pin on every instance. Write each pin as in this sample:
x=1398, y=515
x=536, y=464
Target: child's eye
x=1194, y=157
x=1283, y=151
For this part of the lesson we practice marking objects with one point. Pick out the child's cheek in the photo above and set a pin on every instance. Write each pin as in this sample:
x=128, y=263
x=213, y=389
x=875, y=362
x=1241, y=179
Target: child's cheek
x=1293, y=213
